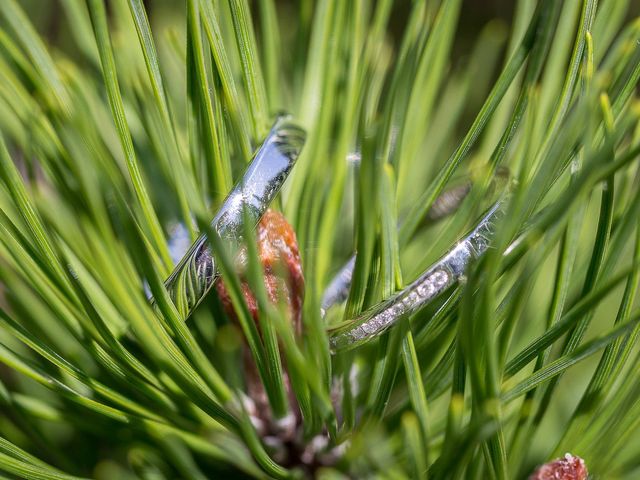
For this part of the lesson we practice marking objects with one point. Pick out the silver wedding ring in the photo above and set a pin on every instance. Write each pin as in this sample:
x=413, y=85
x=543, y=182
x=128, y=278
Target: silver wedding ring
x=196, y=272
x=446, y=272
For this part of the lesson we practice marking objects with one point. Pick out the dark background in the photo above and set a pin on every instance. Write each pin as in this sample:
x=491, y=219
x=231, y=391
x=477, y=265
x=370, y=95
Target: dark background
x=47, y=15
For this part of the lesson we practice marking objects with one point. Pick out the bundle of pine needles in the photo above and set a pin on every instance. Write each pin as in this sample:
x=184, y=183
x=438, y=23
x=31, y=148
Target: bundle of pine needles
x=129, y=126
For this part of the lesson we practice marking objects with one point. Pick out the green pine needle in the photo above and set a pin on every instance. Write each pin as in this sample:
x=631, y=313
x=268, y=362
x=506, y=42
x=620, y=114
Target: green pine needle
x=122, y=122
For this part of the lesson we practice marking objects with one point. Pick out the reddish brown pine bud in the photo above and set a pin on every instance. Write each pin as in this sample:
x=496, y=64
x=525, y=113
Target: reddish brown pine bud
x=567, y=468
x=284, y=282
x=280, y=258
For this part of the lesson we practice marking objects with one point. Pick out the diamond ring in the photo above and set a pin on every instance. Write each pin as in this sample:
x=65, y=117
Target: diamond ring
x=436, y=279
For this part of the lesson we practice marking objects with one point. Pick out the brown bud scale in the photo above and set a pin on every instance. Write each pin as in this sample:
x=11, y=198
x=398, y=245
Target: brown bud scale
x=280, y=259
x=569, y=467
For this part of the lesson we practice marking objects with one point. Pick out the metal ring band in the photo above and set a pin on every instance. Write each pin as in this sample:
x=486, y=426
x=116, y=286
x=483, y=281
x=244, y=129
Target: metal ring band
x=436, y=279
x=338, y=289
x=196, y=272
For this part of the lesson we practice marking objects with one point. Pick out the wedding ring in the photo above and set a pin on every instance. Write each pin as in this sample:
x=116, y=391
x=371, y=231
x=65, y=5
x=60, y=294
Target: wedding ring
x=338, y=289
x=196, y=272
x=446, y=272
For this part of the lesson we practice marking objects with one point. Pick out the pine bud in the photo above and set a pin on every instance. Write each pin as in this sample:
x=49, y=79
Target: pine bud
x=284, y=283
x=567, y=468
x=283, y=278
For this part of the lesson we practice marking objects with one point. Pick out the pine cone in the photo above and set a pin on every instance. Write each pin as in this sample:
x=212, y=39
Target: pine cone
x=567, y=468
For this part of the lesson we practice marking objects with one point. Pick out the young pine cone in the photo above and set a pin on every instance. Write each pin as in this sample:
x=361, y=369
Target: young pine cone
x=567, y=468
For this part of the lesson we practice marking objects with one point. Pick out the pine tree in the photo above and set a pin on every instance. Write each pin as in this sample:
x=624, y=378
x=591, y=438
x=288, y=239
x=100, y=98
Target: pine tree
x=484, y=197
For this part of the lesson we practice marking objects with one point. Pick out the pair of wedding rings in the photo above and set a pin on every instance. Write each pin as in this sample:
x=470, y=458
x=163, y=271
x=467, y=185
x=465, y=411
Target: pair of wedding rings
x=196, y=272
